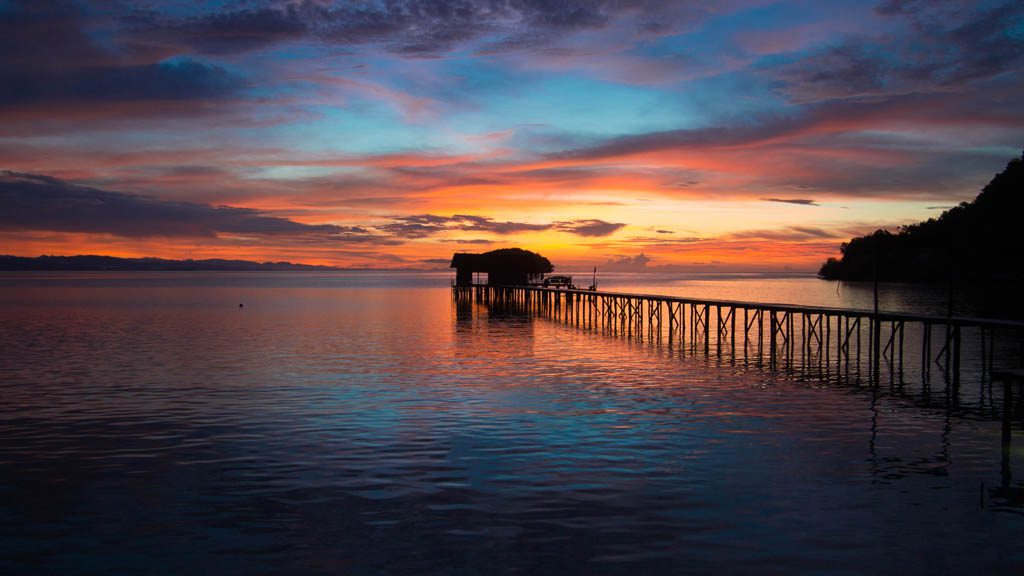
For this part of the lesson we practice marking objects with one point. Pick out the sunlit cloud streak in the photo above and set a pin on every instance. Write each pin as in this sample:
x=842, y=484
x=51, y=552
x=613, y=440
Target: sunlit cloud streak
x=425, y=225
x=592, y=227
x=797, y=201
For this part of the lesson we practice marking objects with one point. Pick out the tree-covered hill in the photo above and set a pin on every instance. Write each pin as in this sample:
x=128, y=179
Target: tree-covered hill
x=980, y=240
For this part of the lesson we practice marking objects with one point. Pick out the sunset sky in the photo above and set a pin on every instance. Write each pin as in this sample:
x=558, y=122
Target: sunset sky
x=734, y=135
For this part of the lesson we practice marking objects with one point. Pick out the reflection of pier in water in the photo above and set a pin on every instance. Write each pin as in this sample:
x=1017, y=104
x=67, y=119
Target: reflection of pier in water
x=832, y=344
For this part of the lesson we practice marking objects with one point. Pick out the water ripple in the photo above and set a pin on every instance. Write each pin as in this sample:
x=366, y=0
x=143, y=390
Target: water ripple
x=157, y=428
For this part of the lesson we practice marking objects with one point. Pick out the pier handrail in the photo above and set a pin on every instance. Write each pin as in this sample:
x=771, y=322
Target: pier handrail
x=797, y=308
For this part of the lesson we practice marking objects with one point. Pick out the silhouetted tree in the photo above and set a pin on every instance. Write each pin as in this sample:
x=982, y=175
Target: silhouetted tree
x=978, y=240
x=509, y=266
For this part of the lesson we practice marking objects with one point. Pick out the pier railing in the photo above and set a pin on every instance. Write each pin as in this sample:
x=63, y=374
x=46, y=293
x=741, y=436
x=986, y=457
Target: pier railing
x=876, y=344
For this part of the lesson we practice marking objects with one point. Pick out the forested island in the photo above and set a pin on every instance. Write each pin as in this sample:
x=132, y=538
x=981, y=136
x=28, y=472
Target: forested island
x=111, y=263
x=977, y=241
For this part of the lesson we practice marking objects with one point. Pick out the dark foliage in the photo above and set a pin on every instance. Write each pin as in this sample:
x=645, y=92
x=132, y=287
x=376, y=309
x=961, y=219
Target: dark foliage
x=975, y=241
x=507, y=266
x=518, y=259
x=504, y=259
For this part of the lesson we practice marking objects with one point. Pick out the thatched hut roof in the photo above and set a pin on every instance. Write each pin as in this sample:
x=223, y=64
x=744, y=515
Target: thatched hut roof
x=505, y=259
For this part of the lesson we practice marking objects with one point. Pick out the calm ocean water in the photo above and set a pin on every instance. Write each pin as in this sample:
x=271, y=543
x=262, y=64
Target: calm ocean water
x=362, y=423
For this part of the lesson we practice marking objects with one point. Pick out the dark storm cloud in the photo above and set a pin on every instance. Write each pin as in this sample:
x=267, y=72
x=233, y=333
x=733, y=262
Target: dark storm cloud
x=837, y=72
x=952, y=45
x=178, y=80
x=991, y=44
x=34, y=202
x=411, y=27
x=45, y=35
x=800, y=201
x=49, y=57
x=891, y=7
x=217, y=33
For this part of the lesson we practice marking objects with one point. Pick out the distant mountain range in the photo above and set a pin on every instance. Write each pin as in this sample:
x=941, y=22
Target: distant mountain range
x=977, y=241
x=85, y=263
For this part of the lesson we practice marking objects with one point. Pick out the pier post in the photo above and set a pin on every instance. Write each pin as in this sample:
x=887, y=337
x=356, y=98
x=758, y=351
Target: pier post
x=707, y=329
x=671, y=324
x=732, y=330
x=956, y=357
x=719, y=324
x=926, y=351
x=1007, y=428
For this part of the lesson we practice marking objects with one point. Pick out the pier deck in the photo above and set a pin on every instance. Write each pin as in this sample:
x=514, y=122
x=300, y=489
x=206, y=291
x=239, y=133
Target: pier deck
x=777, y=333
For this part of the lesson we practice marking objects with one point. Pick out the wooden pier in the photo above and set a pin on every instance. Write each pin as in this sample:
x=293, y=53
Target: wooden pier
x=846, y=347
x=851, y=341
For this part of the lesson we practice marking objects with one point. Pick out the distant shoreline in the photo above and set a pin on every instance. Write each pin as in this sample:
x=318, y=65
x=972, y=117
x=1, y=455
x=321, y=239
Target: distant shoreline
x=97, y=263
x=94, y=263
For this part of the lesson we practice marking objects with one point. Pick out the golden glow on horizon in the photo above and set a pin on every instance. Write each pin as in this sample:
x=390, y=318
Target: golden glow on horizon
x=669, y=231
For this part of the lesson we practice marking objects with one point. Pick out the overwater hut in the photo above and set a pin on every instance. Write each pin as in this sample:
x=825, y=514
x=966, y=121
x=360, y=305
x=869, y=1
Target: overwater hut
x=507, y=267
